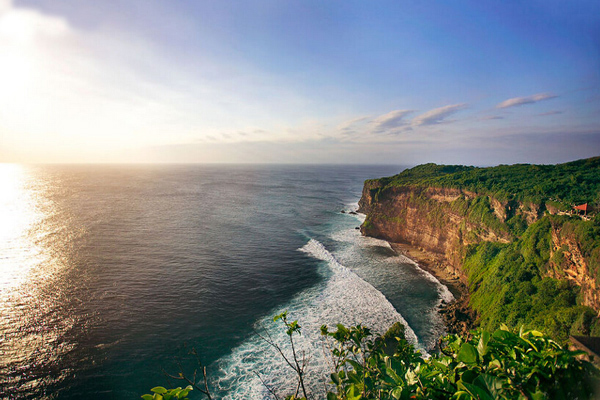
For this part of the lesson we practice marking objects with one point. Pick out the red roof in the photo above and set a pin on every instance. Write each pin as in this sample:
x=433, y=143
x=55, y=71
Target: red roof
x=583, y=207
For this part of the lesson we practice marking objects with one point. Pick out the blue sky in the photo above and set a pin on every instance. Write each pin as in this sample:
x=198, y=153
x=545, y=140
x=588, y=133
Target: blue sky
x=400, y=82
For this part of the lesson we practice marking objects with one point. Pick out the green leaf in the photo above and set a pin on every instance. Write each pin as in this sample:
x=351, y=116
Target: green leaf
x=357, y=367
x=502, y=334
x=392, y=374
x=461, y=394
x=467, y=354
x=482, y=346
x=476, y=392
x=147, y=397
x=352, y=377
x=353, y=393
x=159, y=390
x=538, y=396
x=184, y=392
x=283, y=316
x=397, y=392
x=411, y=377
x=335, y=378
x=491, y=383
x=469, y=376
x=531, y=344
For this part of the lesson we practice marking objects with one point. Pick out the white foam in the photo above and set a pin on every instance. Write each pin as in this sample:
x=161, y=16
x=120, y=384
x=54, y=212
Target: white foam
x=343, y=298
x=364, y=297
x=443, y=291
x=354, y=250
x=351, y=235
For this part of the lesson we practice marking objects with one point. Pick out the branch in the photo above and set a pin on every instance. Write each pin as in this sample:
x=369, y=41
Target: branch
x=271, y=390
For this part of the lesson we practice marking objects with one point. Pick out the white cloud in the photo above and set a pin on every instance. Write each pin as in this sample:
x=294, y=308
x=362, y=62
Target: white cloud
x=23, y=25
x=391, y=120
x=349, y=127
x=86, y=95
x=436, y=115
x=518, y=101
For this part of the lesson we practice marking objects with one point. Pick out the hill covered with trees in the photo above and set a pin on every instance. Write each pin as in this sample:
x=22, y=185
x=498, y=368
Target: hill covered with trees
x=509, y=233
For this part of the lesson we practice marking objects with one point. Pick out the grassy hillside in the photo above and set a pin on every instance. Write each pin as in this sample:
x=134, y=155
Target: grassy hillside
x=573, y=182
x=515, y=283
x=509, y=283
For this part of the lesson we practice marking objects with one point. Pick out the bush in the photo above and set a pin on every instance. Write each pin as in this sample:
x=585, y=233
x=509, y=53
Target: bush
x=486, y=365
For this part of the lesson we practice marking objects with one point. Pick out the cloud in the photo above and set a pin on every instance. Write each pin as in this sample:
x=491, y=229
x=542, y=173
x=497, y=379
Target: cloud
x=492, y=117
x=22, y=25
x=69, y=94
x=350, y=127
x=391, y=120
x=519, y=101
x=436, y=115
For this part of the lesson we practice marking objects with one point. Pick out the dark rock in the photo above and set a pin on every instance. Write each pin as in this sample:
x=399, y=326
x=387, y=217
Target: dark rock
x=459, y=317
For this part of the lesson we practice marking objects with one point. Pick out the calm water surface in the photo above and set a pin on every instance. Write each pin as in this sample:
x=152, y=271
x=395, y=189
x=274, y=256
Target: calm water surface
x=110, y=274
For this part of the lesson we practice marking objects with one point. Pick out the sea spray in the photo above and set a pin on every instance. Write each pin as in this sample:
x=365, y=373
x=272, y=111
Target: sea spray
x=342, y=298
x=405, y=284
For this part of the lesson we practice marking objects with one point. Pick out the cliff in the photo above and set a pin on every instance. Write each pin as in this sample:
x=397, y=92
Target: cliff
x=494, y=229
x=573, y=259
x=438, y=220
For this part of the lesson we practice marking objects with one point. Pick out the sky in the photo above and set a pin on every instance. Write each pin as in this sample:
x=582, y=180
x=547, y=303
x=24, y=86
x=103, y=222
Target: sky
x=299, y=81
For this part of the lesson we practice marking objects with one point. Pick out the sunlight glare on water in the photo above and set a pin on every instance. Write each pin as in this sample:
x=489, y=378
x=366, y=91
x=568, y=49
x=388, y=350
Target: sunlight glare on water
x=18, y=214
x=89, y=255
x=34, y=252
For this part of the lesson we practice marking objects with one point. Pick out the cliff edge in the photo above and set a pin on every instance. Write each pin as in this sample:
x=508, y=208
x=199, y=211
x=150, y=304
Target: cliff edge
x=508, y=233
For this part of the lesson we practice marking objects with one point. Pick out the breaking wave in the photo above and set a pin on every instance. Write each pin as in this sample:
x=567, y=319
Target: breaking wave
x=343, y=297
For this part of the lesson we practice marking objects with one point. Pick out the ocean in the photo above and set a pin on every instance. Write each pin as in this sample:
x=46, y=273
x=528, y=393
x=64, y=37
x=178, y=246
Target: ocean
x=110, y=275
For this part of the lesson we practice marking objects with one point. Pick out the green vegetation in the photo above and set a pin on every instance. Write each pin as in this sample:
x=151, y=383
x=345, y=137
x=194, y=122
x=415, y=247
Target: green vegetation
x=512, y=285
x=562, y=184
x=510, y=282
x=587, y=236
x=503, y=364
x=160, y=393
x=513, y=282
x=498, y=365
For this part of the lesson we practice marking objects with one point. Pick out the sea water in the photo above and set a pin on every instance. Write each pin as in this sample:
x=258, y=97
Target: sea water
x=111, y=275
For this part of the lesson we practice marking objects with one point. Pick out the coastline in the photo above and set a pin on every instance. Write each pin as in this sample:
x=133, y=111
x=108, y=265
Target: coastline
x=458, y=317
x=432, y=264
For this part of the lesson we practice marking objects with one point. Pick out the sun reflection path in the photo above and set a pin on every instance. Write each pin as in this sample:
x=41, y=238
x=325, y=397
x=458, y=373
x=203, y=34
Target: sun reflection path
x=36, y=314
x=18, y=214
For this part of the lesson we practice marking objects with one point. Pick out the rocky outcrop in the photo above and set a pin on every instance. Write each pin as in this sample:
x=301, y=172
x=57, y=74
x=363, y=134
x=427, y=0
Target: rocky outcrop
x=458, y=317
x=434, y=219
x=568, y=262
x=443, y=221
x=450, y=212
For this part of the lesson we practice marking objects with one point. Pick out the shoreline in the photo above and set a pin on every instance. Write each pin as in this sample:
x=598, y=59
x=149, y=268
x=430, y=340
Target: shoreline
x=458, y=317
x=430, y=263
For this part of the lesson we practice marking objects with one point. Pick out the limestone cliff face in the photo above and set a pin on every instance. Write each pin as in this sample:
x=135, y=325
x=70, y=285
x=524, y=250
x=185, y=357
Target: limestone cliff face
x=435, y=219
x=568, y=262
x=444, y=221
